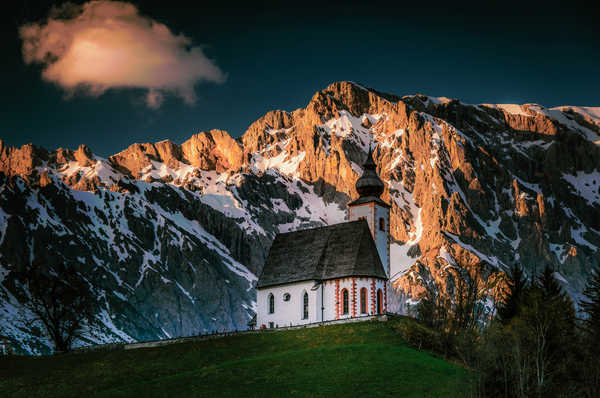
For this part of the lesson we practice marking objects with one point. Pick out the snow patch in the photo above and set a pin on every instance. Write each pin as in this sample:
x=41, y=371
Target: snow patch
x=586, y=185
x=400, y=261
x=561, y=278
x=513, y=109
x=444, y=254
x=493, y=260
x=415, y=236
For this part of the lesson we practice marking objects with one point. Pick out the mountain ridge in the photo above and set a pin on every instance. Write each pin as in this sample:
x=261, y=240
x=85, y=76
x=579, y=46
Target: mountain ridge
x=473, y=188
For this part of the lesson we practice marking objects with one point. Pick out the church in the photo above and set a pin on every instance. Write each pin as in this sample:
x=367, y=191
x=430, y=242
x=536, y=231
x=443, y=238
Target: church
x=334, y=272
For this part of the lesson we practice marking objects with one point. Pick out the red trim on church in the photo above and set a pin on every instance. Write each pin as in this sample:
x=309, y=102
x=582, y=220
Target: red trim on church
x=337, y=299
x=385, y=297
x=353, y=296
x=373, y=296
x=389, y=254
x=379, y=302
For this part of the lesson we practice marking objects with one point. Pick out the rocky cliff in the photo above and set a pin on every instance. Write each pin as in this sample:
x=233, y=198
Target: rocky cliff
x=172, y=237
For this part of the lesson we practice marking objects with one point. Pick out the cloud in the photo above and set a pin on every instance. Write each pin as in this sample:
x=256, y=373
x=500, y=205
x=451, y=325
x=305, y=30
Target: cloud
x=154, y=99
x=108, y=44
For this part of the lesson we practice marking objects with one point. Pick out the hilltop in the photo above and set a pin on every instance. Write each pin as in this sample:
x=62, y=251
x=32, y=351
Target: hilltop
x=360, y=359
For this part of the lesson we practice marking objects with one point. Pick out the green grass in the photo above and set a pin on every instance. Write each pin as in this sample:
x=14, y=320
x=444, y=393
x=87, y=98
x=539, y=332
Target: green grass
x=363, y=359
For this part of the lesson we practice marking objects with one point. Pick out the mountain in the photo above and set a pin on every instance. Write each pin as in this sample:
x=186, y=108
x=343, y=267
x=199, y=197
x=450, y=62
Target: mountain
x=171, y=237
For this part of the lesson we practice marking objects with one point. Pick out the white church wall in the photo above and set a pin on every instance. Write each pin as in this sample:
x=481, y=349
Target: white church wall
x=382, y=237
x=372, y=212
x=287, y=312
x=345, y=283
x=380, y=284
x=363, y=211
x=333, y=294
x=364, y=283
x=329, y=300
x=290, y=312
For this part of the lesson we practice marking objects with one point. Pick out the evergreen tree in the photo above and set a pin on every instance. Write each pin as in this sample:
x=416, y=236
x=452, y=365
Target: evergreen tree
x=559, y=302
x=553, y=320
x=560, y=305
x=548, y=284
x=591, y=306
x=588, y=368
x=534, y=350
x=514, y=296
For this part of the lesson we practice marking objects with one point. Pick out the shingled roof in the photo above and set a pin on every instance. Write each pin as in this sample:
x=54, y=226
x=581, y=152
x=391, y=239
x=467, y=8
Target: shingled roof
x=331, y=252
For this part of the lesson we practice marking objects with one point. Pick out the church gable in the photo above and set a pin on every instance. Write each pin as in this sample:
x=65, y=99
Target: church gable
x=335, y=251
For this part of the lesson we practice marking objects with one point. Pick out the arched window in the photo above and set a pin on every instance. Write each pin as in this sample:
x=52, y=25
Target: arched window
x=379, y=302
x=345, y=305
x=363, y=300
x=305, y=306
x=382, y=224
x=271, y=301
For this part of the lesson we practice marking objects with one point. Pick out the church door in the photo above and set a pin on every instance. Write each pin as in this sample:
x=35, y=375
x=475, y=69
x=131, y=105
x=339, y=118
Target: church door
x=379, y=302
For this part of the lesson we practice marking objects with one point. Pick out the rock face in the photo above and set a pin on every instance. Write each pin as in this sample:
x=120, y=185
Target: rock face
x=214, y=150
x=172, y=236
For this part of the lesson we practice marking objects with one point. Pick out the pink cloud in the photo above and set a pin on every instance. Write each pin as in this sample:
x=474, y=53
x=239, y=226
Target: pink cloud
x=108, y=44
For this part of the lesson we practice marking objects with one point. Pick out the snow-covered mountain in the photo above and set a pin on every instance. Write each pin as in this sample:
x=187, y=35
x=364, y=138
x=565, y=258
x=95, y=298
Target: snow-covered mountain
x=172, y=237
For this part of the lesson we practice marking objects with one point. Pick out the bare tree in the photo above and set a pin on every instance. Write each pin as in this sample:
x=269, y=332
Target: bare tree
x=61, y=300
x=468, y=312
x=540, y=324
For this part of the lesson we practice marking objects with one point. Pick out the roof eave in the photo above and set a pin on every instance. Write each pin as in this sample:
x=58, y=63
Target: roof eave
x=267, y=285
x=351, y=275
x=362, y=201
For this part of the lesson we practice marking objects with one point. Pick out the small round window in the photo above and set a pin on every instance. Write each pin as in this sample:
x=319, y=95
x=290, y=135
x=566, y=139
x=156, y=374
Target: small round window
x=286, y=297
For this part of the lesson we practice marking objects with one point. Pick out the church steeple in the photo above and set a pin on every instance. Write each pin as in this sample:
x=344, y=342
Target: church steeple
x=369, y=184
x=373, y=209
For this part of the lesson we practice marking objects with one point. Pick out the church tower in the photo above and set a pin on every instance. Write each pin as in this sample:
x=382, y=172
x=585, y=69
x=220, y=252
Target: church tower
x=373, y=209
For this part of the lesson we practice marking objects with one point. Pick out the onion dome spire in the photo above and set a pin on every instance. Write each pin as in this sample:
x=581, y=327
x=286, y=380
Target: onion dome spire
x=369, y=184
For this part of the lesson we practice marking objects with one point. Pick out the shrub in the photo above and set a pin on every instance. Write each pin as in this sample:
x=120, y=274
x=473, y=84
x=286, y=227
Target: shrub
x=418, y=335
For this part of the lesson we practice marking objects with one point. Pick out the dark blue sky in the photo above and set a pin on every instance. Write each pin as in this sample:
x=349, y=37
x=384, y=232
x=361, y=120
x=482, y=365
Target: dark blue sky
x=277, y=57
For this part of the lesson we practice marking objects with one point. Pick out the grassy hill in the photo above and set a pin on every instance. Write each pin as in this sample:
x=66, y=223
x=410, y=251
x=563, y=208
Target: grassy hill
x=361, y=359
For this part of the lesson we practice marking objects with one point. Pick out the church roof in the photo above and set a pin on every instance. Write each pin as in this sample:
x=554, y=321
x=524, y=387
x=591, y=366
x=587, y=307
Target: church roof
x=331, y=252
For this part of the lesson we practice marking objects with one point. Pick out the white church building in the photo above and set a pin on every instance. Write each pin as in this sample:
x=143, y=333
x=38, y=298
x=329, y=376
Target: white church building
x=334, y=272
